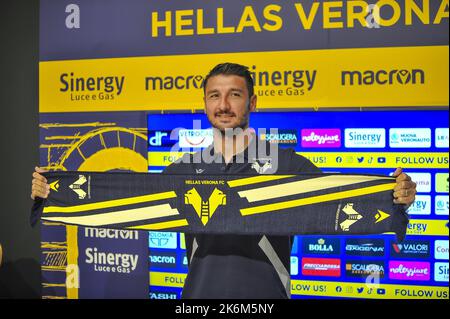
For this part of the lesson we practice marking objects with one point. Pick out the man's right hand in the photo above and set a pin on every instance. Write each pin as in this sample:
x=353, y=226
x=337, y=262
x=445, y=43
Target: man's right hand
x=39, y=186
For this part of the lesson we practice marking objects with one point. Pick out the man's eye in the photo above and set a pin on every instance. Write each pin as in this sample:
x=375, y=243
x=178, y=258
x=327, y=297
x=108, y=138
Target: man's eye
x=213, y=96
x=237, y=94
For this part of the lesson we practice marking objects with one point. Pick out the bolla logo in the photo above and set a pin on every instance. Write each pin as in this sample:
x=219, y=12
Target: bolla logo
x=73, y=19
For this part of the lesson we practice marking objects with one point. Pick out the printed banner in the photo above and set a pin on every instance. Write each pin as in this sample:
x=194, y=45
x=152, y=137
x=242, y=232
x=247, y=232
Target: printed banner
x=379, y=77
x=116, y=28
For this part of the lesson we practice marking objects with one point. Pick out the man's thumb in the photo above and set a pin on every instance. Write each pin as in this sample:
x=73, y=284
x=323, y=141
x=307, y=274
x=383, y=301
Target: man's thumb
x=40, y=170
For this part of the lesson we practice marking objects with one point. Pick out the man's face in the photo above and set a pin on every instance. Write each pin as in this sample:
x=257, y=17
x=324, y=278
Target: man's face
x=227, y=102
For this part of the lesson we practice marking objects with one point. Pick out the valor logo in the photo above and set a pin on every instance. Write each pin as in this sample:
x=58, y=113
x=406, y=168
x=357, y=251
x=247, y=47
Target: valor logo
x=205, y=209
x=382, y=77
x=411, y=249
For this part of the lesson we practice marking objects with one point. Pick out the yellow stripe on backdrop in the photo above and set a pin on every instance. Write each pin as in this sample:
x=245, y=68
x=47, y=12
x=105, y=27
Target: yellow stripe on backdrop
x=369, y=77
x=347, y=159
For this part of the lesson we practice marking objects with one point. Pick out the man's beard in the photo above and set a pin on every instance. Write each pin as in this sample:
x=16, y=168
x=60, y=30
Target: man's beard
x=242, y=125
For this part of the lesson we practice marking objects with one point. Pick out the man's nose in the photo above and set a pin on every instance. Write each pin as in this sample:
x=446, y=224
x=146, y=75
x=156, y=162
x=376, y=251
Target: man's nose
x=224, y=104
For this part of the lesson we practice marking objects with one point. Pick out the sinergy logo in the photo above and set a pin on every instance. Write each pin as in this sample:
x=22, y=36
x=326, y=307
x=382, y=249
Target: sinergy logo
x=111, y=262
x=382, y=77
x=294, y=81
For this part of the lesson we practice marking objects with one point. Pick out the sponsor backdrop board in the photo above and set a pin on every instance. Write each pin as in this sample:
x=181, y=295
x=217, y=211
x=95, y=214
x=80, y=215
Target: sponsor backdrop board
x=347, y=141
x=79, y=262
x=106, y=67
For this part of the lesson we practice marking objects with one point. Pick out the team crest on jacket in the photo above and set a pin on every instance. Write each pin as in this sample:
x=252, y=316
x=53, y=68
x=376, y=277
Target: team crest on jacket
x=262, y=165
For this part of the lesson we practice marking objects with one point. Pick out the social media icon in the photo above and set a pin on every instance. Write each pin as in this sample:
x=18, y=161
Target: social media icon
x=381, y=291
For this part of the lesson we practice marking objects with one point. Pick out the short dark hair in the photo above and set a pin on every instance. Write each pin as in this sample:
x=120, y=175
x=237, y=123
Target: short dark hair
x=231, y=69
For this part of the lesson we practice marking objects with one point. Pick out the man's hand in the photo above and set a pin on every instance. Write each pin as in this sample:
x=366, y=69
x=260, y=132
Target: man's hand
x=39, y=186
x=405, y=190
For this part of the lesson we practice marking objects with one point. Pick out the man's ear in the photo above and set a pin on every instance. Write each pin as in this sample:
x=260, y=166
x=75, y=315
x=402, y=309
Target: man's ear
x=252, y=104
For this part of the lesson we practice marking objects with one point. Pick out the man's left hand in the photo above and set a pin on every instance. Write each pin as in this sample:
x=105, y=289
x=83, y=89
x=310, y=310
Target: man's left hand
x=405, y=190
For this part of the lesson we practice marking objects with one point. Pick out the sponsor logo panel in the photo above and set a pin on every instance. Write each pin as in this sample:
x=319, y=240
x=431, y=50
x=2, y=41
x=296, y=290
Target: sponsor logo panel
x=365, y=137
x=441, y=137
x=364, y=268
x=155, y=294
x=441, y=205
x=294, y=265
x=441, y=249
x=410, y=249
x=441, y=272
x=409, y=270
x=321, y=138
x=163, y=260
x=364, y=247
x=327, y=267
x=166, y=240
x=321, y=246
x=410, y=138
x=420, y=206
x=441, y=182
x=197, y=138
x=423, y=181
x=283, y=137
x=160, y=138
